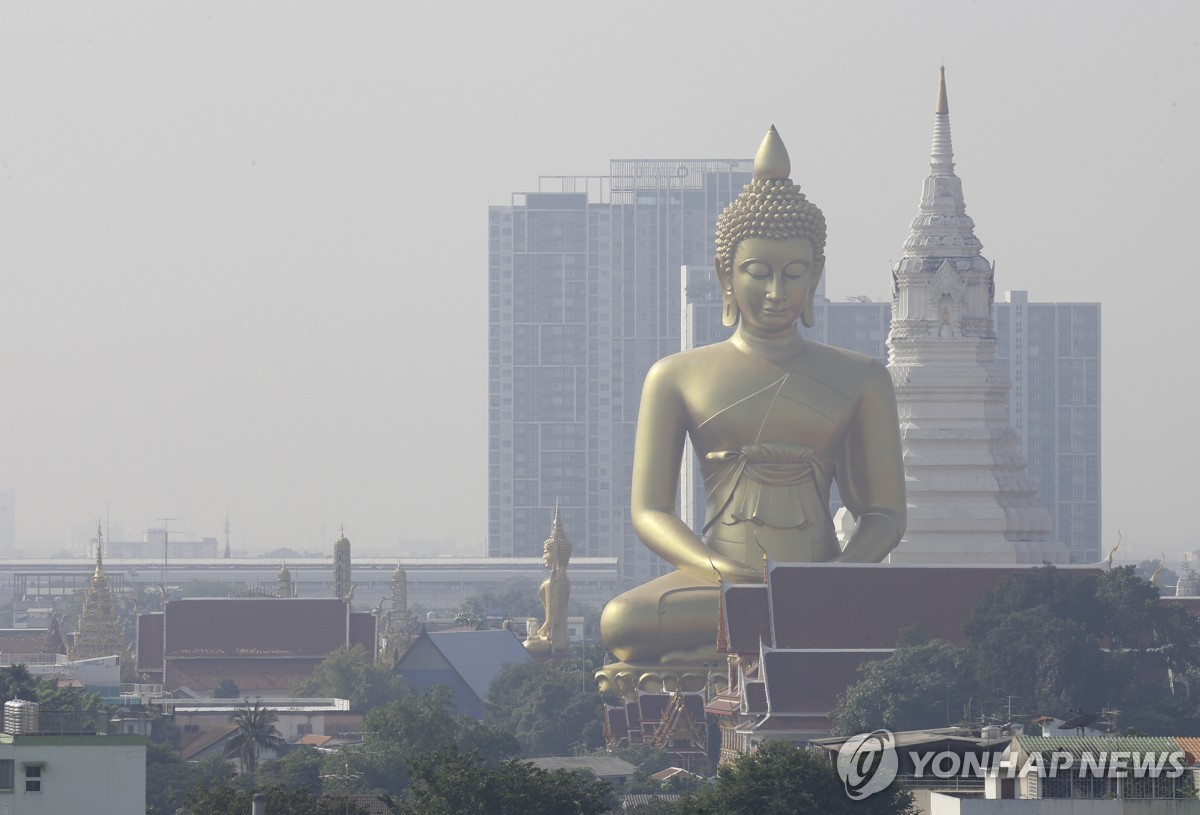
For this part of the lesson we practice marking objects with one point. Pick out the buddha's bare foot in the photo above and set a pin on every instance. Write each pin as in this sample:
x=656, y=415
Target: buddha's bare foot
x=625, y=680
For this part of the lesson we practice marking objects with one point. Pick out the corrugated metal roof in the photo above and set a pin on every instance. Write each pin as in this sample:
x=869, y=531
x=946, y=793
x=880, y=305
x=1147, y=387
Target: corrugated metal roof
x=602, y=766
x=1075, y=745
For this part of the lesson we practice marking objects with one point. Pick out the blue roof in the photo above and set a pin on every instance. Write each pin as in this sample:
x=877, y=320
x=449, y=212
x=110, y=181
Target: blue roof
x=478, y=656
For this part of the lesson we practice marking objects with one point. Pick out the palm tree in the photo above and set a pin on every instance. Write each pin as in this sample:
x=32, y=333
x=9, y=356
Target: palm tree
x=255, y=730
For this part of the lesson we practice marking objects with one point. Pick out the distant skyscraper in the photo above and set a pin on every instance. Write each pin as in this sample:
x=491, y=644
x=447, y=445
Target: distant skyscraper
x=584, y=297
x=969, y=494
x=1052, y=354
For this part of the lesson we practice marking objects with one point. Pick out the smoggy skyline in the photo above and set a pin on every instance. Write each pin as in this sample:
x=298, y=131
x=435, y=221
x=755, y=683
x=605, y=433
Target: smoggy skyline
x=243, y=249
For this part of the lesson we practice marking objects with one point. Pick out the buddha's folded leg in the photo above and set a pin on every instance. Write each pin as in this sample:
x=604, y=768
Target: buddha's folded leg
x=673, y=617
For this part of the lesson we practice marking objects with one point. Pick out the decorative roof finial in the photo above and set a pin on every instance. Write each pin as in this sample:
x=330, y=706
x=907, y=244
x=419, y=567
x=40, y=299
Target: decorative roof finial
x=943, y=104
x=771, y=160
x=556, y=526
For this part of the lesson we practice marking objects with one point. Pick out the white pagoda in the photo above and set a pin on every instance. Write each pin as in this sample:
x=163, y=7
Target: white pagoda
x=970, y=499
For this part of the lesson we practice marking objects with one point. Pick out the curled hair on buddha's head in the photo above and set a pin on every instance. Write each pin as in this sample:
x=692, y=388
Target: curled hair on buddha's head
x=771, y=207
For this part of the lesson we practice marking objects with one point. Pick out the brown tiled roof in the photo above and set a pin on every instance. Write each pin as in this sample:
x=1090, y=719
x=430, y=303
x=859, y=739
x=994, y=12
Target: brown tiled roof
x=194, y=743
x=723, y=704
x=1190, y=745
x=362, y=630
x=22, y=641
x=1192, y=604
x=614, y=718
x=652, y=705
x=150, y=642
x=746, y=616
x=632, y=716
x=811, y=681
x=255, y=626
x=315, y=739
x=370, y=804
x=756, y=697
x=822, y=605
x=250, y=674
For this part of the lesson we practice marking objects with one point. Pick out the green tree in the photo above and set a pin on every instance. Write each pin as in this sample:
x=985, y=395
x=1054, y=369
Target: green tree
x=352, y=673
x=299, y=769
x=553, y=706
x=781, y=777
x=1058, y=640
x=1167, y=578
x=917, y=686
x=229, y=799
x=396, y=733
x=226, y=689
x=256, y=731
x=450, y=782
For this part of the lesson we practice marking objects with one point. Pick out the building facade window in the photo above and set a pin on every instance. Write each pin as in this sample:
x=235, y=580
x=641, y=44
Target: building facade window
x=6, y=773
x=33, y=777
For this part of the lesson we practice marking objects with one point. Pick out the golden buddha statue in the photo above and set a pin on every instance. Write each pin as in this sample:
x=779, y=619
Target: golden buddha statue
x=774, y=419
x=553, y=637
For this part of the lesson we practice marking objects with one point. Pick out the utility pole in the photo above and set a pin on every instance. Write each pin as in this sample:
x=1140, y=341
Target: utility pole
x=165, y=522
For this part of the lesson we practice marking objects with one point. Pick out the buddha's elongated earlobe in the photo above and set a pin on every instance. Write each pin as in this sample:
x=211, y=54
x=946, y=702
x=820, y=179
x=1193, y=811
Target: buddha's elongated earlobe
x=729, y=310
x=806, y=313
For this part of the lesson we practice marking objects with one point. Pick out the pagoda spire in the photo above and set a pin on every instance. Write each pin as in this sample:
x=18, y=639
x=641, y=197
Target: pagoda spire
x=941, y=155
x=942, y=227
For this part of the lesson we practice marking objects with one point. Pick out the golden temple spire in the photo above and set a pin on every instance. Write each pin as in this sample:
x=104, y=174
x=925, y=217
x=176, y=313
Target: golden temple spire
x=100, y=633
x=771, y=160
x=99, y=573
x=943, y=104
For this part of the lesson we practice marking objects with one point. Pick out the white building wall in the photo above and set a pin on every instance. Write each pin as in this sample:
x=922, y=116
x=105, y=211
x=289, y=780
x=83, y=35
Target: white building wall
x=80, y=775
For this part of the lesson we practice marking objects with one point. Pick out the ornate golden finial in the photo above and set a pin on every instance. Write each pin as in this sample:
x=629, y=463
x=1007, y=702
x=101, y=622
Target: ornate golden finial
x=771, y=160
x=1114, y=549
x=556, y=525
x=943, y=104
x=1161, y=563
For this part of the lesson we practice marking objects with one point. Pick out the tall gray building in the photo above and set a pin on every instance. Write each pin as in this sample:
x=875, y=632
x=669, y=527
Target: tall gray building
x=584, y=297
x=1052, y=355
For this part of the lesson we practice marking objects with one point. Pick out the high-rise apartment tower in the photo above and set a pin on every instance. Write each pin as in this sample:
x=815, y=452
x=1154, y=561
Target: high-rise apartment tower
x=584, y=297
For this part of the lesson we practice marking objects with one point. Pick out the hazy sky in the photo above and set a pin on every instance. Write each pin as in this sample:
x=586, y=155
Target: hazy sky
x=243, y=245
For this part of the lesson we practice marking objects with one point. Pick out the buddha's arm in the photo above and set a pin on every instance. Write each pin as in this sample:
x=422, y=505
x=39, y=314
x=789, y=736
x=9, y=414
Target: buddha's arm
x=657, y=452
x=870, y=473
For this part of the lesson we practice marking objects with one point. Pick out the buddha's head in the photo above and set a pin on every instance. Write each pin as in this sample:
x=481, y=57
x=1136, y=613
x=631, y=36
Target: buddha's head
x=557, y=552
x=770, y=247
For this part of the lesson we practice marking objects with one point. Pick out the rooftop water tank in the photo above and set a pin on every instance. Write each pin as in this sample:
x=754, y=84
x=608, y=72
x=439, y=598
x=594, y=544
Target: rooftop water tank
x=20, y=717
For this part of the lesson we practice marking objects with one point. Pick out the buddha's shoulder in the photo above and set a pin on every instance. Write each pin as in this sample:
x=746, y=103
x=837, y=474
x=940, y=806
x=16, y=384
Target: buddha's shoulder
x=686, y=361
x=851, y=360
x=841, y=368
